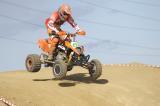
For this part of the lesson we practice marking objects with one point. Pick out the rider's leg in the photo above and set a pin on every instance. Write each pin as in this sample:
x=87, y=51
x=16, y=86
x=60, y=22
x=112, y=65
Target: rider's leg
x=52, y=42
x=52, y=47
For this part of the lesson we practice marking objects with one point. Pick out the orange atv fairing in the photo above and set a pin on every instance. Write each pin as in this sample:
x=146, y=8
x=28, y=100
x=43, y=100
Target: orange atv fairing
x=68, y=44
x=46, y=44
x=43, y=44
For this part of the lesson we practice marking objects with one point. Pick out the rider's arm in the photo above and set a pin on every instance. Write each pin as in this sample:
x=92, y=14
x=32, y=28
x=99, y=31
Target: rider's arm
x=73, y=24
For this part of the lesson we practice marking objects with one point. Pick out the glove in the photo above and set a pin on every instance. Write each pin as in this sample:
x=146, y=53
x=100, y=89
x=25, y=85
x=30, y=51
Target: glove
x=61, y=33
x=81, y=32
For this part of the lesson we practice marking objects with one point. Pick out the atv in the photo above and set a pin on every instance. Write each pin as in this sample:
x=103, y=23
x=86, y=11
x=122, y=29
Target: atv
x=64, y=59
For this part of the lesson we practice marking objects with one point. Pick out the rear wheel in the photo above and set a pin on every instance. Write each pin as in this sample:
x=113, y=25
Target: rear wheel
x=33, y=63
x=59, y=69
x=96, y=70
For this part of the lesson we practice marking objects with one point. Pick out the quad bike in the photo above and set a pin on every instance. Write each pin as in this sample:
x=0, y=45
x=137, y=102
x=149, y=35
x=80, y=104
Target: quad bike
x=64, y=59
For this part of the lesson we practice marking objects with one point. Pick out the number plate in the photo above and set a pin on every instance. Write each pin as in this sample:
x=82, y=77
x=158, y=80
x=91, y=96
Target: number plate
x=74, y=44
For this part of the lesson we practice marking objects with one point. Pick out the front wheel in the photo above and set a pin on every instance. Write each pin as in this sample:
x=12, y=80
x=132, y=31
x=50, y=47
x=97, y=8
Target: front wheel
x=59, y=69
x=96, y=70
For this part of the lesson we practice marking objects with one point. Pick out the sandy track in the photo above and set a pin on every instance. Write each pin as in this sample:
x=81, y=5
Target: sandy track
x=118, y=86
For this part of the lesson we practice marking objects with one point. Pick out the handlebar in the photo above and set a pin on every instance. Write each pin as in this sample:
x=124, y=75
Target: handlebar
x=73, y=35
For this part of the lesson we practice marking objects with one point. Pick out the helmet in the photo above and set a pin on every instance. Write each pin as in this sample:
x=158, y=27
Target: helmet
x=64, y=11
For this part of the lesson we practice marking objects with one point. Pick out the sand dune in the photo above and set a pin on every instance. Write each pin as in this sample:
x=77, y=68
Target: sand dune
x=118, y=86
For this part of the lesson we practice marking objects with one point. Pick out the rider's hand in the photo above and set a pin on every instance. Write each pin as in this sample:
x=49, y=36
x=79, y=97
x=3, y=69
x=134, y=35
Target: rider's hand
x=81, y=32
x=61, y=33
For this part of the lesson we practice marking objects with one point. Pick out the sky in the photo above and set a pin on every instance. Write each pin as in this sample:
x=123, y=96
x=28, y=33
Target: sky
x=118, y=31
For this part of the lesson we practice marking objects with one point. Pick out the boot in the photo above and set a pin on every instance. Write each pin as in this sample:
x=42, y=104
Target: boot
x=51, y=53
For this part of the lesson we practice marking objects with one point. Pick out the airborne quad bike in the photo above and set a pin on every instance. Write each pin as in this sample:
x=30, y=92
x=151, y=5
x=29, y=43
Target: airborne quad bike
x=64, y=60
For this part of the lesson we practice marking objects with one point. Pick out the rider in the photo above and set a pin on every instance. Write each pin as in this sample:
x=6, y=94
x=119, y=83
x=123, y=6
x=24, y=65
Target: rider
x=53, y=24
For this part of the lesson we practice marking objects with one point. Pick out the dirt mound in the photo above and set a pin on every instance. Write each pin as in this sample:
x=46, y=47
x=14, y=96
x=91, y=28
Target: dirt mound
x=2, y=104
x=118, y=86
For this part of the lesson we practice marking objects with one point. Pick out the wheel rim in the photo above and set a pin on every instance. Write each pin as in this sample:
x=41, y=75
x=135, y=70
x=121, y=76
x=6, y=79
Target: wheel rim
x=57, y=69
x=29, y=63
x=93, y=68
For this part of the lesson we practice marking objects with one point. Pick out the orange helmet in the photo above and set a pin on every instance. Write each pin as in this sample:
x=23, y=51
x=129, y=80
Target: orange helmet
x=64, y=11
